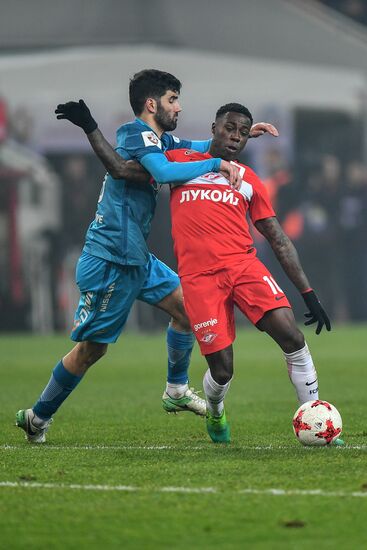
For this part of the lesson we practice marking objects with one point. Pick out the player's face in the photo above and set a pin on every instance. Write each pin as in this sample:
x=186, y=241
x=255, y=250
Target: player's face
x=168, y=108
x=230, y=135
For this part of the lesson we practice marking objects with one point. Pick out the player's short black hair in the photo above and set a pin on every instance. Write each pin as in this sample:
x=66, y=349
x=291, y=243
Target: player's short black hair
x=233, y=108
x=150, y=83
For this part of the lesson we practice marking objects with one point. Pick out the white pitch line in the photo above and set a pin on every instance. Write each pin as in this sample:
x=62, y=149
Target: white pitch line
x=125, y=447
x=187, y=490
x=303, y=492
x=163, y=447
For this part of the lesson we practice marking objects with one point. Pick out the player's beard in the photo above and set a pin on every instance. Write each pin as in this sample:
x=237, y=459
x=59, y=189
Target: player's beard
x=164, y=120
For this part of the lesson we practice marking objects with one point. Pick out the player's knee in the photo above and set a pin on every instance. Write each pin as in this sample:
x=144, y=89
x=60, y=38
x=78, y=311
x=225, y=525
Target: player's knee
x=293, y=341
x=223, y=371
x=91, y=352
x=181, y=323
x=223, y=377
x=174, y=306
x=221, y=366
x=180, y=320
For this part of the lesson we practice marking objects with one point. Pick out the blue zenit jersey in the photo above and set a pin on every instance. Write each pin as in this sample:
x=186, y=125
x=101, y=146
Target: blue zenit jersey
x=125, y=209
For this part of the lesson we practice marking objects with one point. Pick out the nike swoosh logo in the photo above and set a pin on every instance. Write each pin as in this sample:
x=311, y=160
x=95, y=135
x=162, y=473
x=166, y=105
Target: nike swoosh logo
x=279, y=297
x=310, y=383
x=29, y=428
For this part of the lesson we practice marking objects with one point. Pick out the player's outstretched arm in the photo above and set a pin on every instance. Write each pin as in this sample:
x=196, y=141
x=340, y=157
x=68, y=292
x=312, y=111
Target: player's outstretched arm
x=287, y=255
x=79, y=114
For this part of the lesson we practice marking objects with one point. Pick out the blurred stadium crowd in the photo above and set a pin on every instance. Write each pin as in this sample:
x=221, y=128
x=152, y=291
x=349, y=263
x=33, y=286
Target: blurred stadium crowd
x=37, y=252
x=315, y=172
x=320, y=195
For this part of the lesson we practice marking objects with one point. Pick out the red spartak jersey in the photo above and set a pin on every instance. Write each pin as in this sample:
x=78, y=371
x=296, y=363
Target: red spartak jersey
x=209, y=225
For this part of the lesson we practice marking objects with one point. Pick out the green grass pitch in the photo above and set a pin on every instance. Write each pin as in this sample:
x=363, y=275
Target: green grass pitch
x=118, y=472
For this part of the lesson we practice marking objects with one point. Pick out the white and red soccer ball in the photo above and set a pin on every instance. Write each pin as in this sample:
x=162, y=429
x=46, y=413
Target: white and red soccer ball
x=317, y=423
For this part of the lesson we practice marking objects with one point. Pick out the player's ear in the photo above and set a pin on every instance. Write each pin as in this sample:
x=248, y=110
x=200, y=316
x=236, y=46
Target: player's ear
x=213, y=128
x=151, y=105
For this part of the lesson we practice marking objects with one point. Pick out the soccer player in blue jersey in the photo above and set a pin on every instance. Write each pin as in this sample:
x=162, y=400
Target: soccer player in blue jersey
x=115, y=266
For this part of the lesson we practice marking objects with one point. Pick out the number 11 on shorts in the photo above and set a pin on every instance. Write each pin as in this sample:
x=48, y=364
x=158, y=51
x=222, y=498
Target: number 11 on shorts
x=275, y=288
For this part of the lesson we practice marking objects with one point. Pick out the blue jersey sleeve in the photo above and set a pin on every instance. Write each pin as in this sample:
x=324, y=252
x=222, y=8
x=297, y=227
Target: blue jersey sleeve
x=200, y=146
x=164, y=171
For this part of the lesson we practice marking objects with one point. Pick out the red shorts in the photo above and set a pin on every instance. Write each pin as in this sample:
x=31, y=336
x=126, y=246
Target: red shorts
x=210, y=297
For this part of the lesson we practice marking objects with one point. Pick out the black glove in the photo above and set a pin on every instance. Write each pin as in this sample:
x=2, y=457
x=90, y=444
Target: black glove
x=316, y=311
x=78, y=113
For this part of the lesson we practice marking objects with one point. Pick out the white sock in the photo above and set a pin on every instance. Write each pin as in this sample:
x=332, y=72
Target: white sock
x=303, y=375
x=215, y=394
x=176, y=390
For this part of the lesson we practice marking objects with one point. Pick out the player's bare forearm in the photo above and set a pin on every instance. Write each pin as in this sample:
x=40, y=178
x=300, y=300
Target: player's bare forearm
x=284, y=250
x=115, y=165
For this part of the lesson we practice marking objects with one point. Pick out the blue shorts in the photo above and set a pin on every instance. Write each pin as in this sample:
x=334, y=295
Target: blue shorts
x=108, y=291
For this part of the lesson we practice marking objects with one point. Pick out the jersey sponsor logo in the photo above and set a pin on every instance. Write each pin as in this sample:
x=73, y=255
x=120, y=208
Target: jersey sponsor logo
x=151, y=139
x=210, y=195
x=210, y=323
x=99, y=218
x=209, y=337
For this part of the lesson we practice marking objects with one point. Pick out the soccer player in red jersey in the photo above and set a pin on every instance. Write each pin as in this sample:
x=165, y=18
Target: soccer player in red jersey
x=219, y=269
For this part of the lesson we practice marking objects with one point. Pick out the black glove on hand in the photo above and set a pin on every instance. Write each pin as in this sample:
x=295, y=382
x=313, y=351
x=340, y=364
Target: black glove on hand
x=316, y=311
x=78, y=113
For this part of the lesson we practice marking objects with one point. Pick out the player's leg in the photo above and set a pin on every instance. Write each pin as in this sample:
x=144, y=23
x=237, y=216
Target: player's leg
x=217, y=380
x=210, y=310
x=107, y=293
x=162, y=289
x=180, y=341
x=260, y=298
x=65, y=377
x=280, y=324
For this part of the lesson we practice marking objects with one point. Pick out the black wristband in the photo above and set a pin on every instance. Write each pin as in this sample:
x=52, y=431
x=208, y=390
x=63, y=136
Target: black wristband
x=90, y=126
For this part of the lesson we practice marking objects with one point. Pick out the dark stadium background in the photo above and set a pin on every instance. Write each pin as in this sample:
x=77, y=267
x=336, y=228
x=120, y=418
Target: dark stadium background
x=303, y=69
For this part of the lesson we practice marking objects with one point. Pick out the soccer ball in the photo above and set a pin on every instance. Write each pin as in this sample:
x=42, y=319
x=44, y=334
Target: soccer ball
x=317, y=423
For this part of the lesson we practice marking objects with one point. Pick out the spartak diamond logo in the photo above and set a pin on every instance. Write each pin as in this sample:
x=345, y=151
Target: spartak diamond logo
x=209, y=337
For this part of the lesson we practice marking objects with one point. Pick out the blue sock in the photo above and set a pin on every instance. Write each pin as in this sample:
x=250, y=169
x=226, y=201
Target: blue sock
x=179, y=347
x=60, y=385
